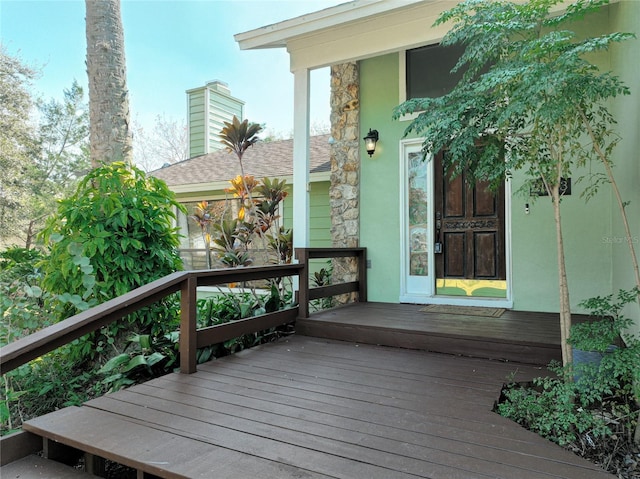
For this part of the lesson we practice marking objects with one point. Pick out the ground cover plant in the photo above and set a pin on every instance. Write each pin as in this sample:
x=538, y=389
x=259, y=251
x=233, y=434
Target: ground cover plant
x=589, y=406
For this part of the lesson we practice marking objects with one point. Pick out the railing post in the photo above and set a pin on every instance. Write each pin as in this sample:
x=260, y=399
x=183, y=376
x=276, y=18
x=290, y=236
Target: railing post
x=302, y=255
x=188, y=316
x=362, y=275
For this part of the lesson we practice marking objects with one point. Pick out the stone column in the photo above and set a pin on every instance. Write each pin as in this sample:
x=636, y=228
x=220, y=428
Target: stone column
x=344, y=196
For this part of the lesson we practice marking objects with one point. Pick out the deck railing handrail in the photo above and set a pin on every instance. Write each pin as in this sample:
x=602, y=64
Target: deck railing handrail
x=306, y=294
x=47, y=339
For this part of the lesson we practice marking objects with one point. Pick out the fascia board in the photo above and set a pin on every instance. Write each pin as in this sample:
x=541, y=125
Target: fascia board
x=221, y=185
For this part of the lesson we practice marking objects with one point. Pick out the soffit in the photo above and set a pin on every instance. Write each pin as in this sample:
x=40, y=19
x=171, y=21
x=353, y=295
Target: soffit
x=392, y=31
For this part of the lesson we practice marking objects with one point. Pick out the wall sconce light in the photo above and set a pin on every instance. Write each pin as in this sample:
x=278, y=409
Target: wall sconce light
x=370, y=141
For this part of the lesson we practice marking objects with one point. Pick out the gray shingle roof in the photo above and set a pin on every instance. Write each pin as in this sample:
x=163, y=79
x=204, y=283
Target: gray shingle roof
x=272, y=159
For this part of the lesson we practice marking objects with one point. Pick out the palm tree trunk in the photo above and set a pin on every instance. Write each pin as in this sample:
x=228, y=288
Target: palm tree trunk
x=110, y=135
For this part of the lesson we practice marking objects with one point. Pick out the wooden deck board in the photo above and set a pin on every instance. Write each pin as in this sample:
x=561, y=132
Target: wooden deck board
x=305, y=407
x=515, y=336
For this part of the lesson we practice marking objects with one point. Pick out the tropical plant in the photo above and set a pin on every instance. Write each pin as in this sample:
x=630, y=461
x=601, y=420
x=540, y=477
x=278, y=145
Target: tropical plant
x=527, y=95
x=151, y=357
x=203, y=215
x=322, y=277
x=256, y=220
x=238, y=136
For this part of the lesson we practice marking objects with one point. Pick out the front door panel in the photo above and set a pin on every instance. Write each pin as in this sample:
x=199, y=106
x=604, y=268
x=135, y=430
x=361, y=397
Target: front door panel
x=469, y=227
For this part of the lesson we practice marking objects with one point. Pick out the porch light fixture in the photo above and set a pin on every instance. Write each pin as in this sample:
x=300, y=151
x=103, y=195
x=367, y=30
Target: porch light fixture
x=370, y=141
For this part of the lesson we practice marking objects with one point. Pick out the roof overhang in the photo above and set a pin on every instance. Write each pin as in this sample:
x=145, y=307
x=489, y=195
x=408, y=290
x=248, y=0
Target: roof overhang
x=353, y=31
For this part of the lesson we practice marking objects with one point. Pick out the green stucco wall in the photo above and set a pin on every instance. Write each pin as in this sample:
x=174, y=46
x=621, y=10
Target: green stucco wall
x=597, y=262
x=625, y=16
x=379, y=184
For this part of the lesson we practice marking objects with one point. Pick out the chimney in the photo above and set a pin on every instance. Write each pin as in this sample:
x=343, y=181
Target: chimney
x=208, y=107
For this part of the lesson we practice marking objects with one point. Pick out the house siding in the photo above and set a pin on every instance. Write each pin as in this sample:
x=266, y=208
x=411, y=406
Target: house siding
x=319, y=213
x=196, y=123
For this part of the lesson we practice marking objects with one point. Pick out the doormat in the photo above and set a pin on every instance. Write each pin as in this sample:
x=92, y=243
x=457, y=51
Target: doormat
x=464, y=310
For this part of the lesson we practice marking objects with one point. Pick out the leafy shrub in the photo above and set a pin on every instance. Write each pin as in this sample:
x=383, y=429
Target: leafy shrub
x=51, y=381
x=151, y=357
x=548, y=407
x=226, y=307
x=322, y=277
x=121, y=220
x=44, y=385
x=588, y=406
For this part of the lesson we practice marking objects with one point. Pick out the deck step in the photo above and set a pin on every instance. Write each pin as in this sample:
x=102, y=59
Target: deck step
x=516, y=336
x=36, y=467
x=157, y=452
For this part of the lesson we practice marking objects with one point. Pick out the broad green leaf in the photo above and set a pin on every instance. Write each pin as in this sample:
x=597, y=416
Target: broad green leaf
x=114, y=363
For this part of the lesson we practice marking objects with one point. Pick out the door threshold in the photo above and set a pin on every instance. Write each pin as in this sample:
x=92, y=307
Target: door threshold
x=458, y=301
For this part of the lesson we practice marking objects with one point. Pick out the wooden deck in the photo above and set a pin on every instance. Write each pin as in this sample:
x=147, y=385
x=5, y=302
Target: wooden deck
x=313, y=408
x=514, y=336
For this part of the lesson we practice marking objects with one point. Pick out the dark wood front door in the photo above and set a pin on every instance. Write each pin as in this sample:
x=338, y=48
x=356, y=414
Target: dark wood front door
x=469, y=222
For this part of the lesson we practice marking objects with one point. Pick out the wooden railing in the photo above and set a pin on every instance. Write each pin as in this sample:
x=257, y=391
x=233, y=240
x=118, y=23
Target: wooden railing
x=35, y=345
x=306, y=294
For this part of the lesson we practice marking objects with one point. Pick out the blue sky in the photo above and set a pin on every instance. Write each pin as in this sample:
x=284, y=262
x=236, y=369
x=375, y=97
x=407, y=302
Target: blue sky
x=170, y=46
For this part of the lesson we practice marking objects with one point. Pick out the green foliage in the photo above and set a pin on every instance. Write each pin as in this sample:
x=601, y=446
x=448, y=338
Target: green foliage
x=151, y=357
x=527, y=90
x=40, y=155
x=63, y=142
x=51, y=381
x=25, y=307
x=548, y=408
x=617, y=369
x=226, y=307
x=121, y=221
x=608, y=323
x=323, y=278
x=44, y=385
x=17, y=145
x=592, y=399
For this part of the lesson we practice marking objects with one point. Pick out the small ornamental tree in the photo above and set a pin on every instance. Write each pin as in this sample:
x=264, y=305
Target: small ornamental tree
x=257, y=219
x=528, y=100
